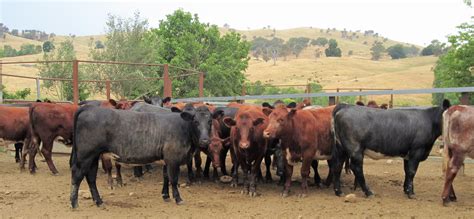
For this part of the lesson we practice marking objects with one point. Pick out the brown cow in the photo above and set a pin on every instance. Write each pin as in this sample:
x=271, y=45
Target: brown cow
x=458, y=125
x=249, y=146
x=305, y=136
x=14, y=125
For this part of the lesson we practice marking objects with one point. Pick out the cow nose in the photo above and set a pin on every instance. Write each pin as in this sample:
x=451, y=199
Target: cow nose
x=244, y=145
x=266, y=134
x=205, y=142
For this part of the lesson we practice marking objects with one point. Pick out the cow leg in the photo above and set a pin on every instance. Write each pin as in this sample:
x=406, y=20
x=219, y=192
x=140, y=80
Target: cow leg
x=222, y=160
x=317, y=178
x=253, y=171
x=77, y=175
x=246, y=169
x=357, y=162
x=24, y=152
x=119, y=174
x=107, y=166
x=173, y=173
x=148, y=168
x=91, y=178
x=305, y=169
x=288, y=175
x=347, y=166
x=198, y=162
x=138, y=171
x=235, y=167
x=31, y=159
x=191, y=176
x=165, y=192
x=46, y=150
x=336, y=170
x=268, y=163
x=410, y=167
x=18, y=147
x=206, y=167
x=454, y=164
x=328, y=181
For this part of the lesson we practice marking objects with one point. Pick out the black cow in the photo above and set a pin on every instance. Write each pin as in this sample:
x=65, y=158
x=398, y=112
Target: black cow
x=136, y=138
x=378, y=133
x=156, y=100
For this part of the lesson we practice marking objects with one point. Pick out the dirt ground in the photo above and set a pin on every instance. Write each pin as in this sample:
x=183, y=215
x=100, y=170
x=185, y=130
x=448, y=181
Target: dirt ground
x=46, y=196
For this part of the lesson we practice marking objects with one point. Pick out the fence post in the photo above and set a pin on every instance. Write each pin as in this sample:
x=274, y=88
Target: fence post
x=1, y=82
x=107, y=89
x=75, y=81
x=166, y=82
x=38, y=90
x=337, y=98
x=360, y=96
x=308, y=91
x=390, y=105
x=201, y=84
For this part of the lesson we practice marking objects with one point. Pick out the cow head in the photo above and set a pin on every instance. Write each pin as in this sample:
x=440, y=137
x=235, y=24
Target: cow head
x=245, y=126
x=156, y=100
x=278, y=118
x=201, y=122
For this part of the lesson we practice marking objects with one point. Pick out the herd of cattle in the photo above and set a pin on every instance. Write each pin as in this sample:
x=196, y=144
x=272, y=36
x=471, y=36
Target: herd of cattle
x=141, y=133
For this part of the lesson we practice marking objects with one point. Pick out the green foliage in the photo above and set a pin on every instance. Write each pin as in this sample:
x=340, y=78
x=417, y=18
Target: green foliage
x=455, y=68
x=297, y=44
x=25, y=49
x=48, y=46
x=17, y=95
x=320, y=41
x=8, y=51
x=397, y=51
x=333, y=50
x=63, y=89
x=99, y=44
x=436, y=48
x=2, y=53
x=126, y=42
x=182, y=40
x=411, y=51
x=376, y=50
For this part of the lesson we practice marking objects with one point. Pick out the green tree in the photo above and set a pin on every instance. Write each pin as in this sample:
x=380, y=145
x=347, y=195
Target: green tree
x=376, y=50
x=397, y=51
x=436, y=48
x=455, y=68
x=17, y=95
x=297, y=44
x=63, y=89
x=126, y=41
x=320, y=41
x=9, y=51
x=2, y=53
x=333, y=50
x=48, y=46
x=99, y=44
x=182, y=40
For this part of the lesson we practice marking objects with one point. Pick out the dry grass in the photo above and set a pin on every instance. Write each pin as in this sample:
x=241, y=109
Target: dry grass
x=354, y=71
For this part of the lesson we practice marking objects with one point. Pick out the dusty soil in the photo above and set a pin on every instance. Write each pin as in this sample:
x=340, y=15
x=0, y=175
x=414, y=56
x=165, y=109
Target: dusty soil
x=44, y=195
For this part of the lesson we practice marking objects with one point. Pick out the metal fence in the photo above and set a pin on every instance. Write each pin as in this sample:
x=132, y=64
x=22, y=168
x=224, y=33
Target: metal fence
x=164, y=73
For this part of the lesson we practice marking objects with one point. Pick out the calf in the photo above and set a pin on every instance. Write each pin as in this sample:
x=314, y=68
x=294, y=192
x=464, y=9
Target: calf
x=377, y=133
x=14, y=125
x=305, y=136
x=458, y=125
x=135, y=138
x=248, y=144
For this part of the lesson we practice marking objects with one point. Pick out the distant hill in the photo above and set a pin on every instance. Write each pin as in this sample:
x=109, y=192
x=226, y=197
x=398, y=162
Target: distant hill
x=348, y=71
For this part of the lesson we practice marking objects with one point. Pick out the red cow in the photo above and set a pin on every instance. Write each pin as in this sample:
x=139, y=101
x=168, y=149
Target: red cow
x=14, y=125
x=458, y=125
x=249, y=146
x=305, y=136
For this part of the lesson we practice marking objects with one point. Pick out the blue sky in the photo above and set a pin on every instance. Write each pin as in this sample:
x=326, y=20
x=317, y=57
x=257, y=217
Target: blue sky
x=413, y=21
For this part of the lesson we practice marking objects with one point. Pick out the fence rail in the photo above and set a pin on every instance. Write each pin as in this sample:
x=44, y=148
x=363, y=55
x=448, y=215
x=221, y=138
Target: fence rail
x=167, y=79
x=331, y=94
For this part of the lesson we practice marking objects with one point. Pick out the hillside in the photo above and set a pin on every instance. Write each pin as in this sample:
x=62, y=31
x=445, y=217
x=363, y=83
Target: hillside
x=356, y=71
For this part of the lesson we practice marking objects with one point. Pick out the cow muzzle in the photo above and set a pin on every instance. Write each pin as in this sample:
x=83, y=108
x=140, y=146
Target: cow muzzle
x=244, y=145
x=266, y=134
x=204, y=142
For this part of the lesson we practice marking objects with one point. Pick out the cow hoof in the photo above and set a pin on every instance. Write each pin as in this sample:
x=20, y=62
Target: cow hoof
x=253, y=194
x=166, y=198
x=55, y=174
x=244, y=192
x=179, y=202
x=411, y=196
x=339, y=193
x=284, y=194
x=233, y=185
x=446, y=202
x=302, y=195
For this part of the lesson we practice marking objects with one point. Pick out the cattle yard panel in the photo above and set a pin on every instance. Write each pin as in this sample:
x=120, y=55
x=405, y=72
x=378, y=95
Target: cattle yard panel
x=166, y=77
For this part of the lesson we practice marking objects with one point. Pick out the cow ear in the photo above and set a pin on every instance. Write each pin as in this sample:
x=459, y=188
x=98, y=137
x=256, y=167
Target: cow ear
x=291, y=105
x=217, y=114
x=267, y=111
x=146, y=99
x=187, y=116
x=265, y=104
x=175, y=109
x=113, y=102
x=258, y=121
x=292, y=112
x=119, y=106
x=166, y=100
x=229, y=122
x=446, y=104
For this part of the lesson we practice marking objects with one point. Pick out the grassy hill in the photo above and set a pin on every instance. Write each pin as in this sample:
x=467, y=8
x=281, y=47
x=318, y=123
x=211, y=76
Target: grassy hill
x=356, y=71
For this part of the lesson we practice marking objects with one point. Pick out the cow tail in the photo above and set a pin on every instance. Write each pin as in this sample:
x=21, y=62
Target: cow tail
x=337, y=150
x=73, y=159
x=446, y=142
x=33, y=136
